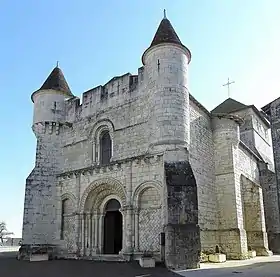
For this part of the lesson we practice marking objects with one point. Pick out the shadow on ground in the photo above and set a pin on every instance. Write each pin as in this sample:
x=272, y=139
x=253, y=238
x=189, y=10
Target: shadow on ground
x=10, y=267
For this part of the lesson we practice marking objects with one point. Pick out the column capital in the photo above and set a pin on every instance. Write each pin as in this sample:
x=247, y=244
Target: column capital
x=127, y=208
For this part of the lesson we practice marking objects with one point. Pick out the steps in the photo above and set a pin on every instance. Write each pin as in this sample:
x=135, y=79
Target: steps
x=105, y=258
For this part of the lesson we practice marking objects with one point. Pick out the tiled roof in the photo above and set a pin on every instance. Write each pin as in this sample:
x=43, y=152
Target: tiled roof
x=57, y=81
x=165, y=33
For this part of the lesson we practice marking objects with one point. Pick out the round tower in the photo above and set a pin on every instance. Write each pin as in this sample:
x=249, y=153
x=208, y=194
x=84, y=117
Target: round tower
x=40, y=228
x=166, y=72
x=49, y=100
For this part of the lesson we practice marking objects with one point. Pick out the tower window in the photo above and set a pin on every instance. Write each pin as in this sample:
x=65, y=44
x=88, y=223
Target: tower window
x=105, y=148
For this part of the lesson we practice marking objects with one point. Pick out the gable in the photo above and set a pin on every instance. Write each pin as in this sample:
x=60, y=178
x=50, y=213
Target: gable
x=228, y=106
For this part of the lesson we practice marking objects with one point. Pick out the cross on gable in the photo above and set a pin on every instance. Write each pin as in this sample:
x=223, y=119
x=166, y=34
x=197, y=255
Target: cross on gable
x=228, y=84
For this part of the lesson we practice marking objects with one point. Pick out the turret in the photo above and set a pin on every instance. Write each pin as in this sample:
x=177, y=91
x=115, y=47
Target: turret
x=166, y=68
x=41, y=206
x=49, y=100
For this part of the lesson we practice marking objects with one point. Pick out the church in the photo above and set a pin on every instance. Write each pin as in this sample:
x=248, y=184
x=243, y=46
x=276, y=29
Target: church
x=138, y=167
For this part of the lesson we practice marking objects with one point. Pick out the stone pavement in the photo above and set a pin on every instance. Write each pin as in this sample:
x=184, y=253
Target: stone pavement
x=257, y=267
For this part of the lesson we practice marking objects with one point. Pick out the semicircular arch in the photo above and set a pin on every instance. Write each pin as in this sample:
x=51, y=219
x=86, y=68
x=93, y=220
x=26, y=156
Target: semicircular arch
x=100, y=126
x=99, y=189
x=142, y=187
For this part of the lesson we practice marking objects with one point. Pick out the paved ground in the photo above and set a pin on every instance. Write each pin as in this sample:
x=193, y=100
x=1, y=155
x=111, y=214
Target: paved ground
x=257, y=267
x=10, y=267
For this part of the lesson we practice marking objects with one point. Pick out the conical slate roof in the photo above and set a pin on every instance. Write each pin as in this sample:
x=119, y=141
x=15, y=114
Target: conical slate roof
x=165, y=33
x=56, y=81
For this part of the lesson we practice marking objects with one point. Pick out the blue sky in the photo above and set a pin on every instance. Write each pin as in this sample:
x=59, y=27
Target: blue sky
x=96, y=40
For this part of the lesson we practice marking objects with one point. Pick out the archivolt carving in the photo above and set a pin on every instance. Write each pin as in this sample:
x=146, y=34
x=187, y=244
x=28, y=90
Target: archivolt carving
x=148, y=184
x=102, y=125
x=70, y=196
x=95, y=134
x=98, y=190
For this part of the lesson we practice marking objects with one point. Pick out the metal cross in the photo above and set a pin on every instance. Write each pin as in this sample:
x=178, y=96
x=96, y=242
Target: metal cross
x=228, y=84
x=164, y=13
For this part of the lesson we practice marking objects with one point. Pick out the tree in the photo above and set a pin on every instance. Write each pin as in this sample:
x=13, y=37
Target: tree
x=4, y=232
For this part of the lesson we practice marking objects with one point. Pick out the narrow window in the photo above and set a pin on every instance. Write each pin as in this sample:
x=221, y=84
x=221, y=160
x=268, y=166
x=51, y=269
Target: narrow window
x=105, y=148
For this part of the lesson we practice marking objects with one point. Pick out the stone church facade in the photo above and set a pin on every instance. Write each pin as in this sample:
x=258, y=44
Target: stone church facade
x=140, y=167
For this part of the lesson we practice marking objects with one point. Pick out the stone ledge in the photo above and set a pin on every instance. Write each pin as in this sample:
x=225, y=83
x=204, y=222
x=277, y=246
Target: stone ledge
x=112, y=166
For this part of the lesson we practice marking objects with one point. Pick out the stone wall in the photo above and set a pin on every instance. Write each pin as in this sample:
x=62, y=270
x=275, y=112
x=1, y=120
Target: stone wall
x=141, y=180
x=41, y=201
x=271, y=206
x=253, y=216
x=49, y=106
x=68, y=223
x=256, y=135
x=271, y=182
x=201, y=156
x=226, y=139
x=182, y=249
x=128, y=130
x=166, y=78
x=150, y=221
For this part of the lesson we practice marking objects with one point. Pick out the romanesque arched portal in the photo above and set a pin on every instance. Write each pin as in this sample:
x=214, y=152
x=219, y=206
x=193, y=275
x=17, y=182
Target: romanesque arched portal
x=102, y=220
x=113, y=227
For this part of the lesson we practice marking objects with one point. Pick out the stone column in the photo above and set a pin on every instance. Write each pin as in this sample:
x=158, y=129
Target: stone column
x=87, y=233
x=95, y=245
x=94, y=150
x=101, y=224
x=123, y=212
x=127, y=229
x=83, y=234
x=136, y=230
x=79, y=234
x=91, y=233
x=127, y=216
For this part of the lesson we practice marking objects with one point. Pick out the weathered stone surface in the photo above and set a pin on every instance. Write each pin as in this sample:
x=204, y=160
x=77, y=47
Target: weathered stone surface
x=271, y=181
x=182, y=231
x=174, y=168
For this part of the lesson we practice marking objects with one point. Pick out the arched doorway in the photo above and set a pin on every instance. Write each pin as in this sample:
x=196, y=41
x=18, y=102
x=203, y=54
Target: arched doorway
x=112, y=227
